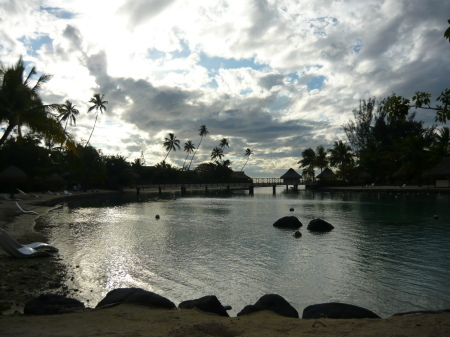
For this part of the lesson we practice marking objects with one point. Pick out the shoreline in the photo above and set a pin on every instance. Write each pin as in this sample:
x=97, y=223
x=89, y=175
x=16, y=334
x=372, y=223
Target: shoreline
x=23, y=279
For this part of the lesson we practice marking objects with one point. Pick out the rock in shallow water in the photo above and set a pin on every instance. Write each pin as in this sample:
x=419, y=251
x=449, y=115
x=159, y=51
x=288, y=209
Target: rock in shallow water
x=135, y=295
x=291, y=222
x=272, y=302
x=319, y=225
x=206, y=303
x=337, y=310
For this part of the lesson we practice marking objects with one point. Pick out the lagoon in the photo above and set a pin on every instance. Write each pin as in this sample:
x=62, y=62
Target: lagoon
x=386, y=253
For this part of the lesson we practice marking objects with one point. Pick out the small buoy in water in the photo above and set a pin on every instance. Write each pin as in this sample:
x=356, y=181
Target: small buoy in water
x=435, y=217
x=291, y=209
x=297, y=234
x=157, y=216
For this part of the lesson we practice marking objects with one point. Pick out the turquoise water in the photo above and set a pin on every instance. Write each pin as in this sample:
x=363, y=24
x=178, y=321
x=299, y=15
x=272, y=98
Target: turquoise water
x=386, y=253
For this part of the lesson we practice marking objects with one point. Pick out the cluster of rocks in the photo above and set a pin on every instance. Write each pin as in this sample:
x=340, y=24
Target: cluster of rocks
x=55, y=304
x=292, y=222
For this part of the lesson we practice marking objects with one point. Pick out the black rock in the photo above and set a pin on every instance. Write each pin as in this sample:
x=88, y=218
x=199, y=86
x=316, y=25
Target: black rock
x=207, y=303
x=319, y=225
x=49, y=304
x=135, y=295
x=337, y=310
x=271, y=302
x=291, y=222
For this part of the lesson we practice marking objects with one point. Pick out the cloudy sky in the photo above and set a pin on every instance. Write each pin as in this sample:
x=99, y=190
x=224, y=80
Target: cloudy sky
x=275, y=76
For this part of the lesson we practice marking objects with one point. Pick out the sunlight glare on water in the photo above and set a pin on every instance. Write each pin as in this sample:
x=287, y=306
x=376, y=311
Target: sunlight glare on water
x=386, y=253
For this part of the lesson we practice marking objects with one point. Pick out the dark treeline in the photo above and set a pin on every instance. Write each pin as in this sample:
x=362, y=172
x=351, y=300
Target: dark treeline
x=385, y=145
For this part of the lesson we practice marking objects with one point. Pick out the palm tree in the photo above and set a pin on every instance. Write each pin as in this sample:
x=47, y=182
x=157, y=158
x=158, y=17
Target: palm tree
x=321, y=160
x=216, y=154
x=171, y=143
x=21, y=104
x=247, y=154
x=223, y=143
x=98, y=104
x=341, y=156
x=308, y=163
x=189, y=147
x=442, y=142
x=68, y=113
x=203, y=131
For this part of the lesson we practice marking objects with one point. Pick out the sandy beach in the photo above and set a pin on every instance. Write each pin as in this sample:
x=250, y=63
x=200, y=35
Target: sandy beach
x=24, y=279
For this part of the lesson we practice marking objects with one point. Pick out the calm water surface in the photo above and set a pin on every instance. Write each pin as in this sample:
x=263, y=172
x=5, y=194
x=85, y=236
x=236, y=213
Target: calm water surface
x=386, y=252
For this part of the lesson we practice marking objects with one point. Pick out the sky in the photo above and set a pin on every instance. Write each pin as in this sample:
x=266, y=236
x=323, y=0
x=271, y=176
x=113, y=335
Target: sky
x=275, y=76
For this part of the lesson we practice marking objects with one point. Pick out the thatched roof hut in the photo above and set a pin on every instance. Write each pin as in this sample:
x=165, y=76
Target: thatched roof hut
x=291, y=177
x=240, y=176
x=441, y=170
x=326, y=174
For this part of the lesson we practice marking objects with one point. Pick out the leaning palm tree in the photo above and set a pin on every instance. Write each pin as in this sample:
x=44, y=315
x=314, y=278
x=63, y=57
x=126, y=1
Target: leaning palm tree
x=98, y=104
x=216, y=154
x=21, y=105
x=247, y=154
x=189, y=147
x=203, y=131
x=68, y=113
x=171, y=143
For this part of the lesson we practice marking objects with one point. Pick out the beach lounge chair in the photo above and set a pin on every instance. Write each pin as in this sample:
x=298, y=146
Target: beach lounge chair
x=66, y=192
x=25, y=211
x=20, y=252
x=26, y=195
x=34, y=245
x=8, y=198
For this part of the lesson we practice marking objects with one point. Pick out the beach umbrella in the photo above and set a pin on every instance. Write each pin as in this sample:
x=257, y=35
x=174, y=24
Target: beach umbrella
x=55, y=180
x=13, y=175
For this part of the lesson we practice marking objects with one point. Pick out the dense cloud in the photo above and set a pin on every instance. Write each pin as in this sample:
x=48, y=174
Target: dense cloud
x=277, y=76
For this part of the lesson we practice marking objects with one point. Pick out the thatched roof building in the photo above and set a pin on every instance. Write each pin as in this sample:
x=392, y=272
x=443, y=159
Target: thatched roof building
x=441, y=170
x=240, y=176
x=326, y=174
x=291, y=177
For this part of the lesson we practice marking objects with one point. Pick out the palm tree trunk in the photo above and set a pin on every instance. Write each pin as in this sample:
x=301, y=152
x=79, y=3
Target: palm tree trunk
x=166, y=156
x=185, y=160
x=7, y=133
x=195, y=152
x=96, y=116
x=242, y=169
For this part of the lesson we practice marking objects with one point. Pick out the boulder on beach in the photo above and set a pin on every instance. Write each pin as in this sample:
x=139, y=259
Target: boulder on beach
x=319, y=225
x=207, y=303
x=272, y=302
x=337, y=310
x=137, y=296
x=50, y=304
x=291, y=222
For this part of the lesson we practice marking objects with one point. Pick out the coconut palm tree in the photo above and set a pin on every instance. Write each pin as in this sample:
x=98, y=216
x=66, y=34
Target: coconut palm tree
x=68, y=113
x=341, y=156
x=189, y=147
x=203, y=131
x=216, y=154
x=223, y=143
x=247, y=154
x=21, y=104
x=308, y=163
x=442, y=142
x=321, y=160
x=171, y=143
x=98, y=105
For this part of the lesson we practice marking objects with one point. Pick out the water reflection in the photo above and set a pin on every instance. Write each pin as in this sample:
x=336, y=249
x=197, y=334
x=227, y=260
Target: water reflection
x=385, y=253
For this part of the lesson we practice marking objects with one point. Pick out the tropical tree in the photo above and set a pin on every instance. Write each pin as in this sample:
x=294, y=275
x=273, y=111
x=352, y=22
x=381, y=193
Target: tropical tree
x=189, y=147
x=321, y=160
x=68, y=113
x=223, y=143
x=341, y=156
x=308, y=163
x=216, y=154
x=98, y=104
x=202, y=131
x=442, y=142
x=171, y=143
x=21, y=105
x=247, y=154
